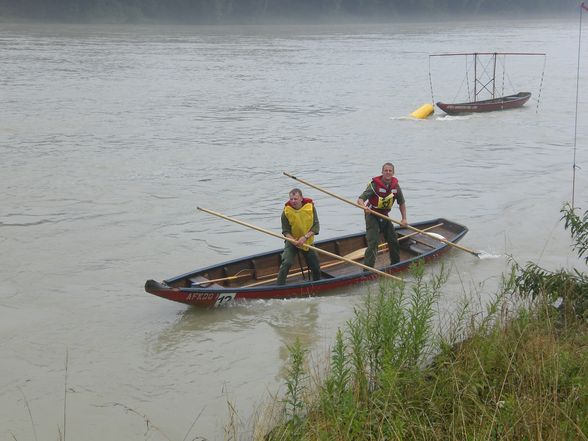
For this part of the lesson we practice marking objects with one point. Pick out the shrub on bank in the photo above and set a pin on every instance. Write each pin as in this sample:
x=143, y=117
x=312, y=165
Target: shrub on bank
x=521, y=372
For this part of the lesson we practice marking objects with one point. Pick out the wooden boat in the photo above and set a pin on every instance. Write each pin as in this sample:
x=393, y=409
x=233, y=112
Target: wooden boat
x=502, y=103
x=482, y=87
x=254, y=277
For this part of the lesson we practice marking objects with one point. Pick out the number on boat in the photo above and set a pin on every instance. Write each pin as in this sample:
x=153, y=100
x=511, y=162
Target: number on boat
x=224, y=298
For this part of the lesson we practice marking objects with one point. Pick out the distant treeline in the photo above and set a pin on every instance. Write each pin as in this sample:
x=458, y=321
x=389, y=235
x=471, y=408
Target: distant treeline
x=219, y=11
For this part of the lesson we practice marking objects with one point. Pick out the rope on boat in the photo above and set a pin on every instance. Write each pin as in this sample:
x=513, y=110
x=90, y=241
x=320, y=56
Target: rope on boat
x=431, y=83
x=574, y=166
x=465, y=80
x=541, y=84
x=504, y=74
x=505, y=78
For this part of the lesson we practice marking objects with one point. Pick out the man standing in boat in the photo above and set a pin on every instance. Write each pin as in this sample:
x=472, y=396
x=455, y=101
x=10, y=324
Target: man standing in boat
x=379, y=196
x=299, y=222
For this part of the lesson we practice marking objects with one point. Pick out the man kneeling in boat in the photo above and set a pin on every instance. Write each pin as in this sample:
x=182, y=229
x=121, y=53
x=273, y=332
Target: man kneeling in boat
x=299, y=222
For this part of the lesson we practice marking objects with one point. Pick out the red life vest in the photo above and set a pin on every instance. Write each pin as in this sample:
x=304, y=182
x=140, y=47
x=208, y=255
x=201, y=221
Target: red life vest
x=304, y=201
x=384, y=195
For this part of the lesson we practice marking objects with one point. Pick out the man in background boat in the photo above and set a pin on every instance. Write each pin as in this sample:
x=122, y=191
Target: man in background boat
x=299, y=222
x=379, y=196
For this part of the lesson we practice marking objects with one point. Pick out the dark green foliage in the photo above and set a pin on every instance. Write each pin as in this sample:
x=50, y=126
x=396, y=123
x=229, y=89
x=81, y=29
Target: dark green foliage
x=517, y=372
x=213, y=11
x=381, y=360
x=517, y=377
x=578, y=227
x=293, y=404
x=336, y=384
x=569, y=289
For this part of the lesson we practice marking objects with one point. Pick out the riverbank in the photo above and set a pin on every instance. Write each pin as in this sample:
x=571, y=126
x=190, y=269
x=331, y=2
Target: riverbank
x=518, y=372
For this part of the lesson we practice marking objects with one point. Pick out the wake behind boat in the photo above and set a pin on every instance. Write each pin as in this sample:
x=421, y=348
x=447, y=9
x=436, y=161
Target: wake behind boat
x=254, y=277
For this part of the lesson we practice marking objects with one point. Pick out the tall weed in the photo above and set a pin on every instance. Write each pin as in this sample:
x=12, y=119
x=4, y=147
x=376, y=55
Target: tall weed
x=517, y=372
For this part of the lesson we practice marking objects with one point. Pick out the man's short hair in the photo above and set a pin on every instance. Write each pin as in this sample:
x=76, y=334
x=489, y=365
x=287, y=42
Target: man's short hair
x=295, y=191
x=387, y=163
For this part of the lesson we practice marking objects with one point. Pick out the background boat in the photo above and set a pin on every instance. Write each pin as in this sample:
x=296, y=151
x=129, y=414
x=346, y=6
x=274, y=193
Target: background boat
x=483, y=93
x=502, y=103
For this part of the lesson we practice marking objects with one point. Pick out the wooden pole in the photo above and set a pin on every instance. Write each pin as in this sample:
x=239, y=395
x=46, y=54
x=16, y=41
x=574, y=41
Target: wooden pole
x=292, y=241
x=375, y=213
x=424, y=229
x=236, y=276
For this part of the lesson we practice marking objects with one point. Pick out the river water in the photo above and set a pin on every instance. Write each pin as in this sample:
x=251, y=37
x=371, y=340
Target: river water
x=111, y=136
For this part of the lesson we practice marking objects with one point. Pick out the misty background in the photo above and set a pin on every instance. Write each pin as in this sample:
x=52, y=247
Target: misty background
x=259, y=11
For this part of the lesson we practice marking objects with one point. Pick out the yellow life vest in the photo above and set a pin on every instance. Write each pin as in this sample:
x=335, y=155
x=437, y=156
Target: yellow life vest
x=384, y=195
x=300, y=221
x=385, y=203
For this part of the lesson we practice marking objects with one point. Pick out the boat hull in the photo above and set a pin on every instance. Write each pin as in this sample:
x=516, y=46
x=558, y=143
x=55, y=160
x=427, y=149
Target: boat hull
x=199, y=287
x=502, y=103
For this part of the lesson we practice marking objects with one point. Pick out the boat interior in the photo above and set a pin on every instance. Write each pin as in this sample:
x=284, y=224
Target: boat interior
x=262, y=270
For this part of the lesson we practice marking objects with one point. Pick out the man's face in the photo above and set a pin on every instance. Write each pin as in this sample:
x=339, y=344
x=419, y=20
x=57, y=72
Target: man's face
x=296, y=200
x=387, y=173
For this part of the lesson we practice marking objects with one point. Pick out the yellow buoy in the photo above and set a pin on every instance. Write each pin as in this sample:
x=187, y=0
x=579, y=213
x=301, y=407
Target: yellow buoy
x=422, y=112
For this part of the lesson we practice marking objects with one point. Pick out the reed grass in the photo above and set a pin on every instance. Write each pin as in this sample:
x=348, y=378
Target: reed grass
x=519, y=372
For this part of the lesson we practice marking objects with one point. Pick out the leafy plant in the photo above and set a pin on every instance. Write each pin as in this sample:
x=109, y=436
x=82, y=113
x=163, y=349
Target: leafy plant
x=568, y=289
x=293, y=403
x=579, y=229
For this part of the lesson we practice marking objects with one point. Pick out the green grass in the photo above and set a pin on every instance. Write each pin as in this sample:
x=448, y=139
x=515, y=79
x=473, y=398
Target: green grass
x=520, y=373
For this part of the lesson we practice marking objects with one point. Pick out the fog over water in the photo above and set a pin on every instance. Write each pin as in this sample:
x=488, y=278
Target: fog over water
x=277, y=11
x=110, y=136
